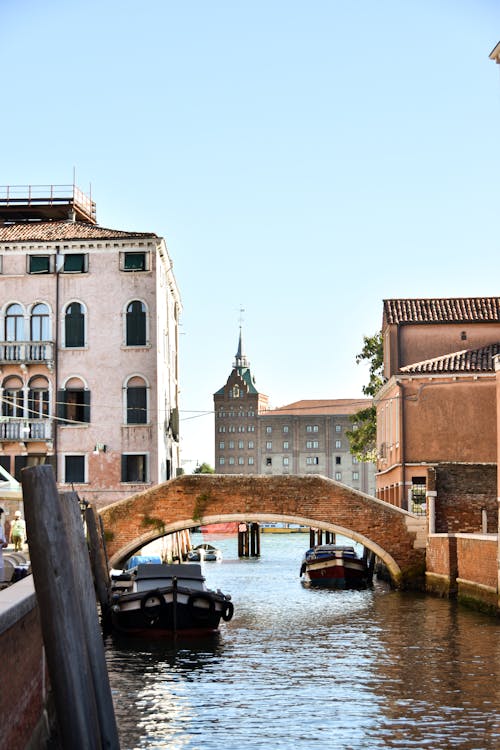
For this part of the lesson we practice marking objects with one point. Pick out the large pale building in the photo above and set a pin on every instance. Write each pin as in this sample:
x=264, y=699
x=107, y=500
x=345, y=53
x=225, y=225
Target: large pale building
x=88, y=346
x=306, y=437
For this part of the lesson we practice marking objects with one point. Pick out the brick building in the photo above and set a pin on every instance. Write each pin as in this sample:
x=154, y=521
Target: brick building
x=439, y=402
x=306, y=437
x=88, y=346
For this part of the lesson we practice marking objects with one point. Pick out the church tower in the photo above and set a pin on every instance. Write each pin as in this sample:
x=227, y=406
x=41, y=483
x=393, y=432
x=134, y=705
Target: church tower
x=237, y=405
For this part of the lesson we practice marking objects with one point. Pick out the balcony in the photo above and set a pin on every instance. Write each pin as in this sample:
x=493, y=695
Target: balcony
x=26, y=352
x=13, y=429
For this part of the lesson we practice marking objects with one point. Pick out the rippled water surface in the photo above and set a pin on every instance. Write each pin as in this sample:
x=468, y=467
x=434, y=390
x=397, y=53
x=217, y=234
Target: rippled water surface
x=299, y=668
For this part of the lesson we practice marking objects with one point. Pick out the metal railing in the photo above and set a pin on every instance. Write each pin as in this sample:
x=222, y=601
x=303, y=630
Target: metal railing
x=30, y=195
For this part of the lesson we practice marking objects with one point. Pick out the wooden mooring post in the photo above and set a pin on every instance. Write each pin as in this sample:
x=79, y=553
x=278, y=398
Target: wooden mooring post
x=68, y=614
x=248, y=540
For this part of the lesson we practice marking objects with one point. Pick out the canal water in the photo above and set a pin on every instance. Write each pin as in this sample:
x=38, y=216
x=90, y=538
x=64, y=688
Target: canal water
x=299, y=668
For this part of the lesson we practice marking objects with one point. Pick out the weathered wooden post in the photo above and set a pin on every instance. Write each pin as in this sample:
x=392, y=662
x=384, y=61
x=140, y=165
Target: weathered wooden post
x=254, y=540
x=84, y=589
x=243, y=550
x=98, y=559
x=52, y=559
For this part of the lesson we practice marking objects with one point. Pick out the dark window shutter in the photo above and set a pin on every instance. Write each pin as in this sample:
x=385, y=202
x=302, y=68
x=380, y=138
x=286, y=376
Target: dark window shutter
x=136, y=405
x=74, y=326
x=61, y=405
x=124, y=468
x=136, y=324
x=86, y=406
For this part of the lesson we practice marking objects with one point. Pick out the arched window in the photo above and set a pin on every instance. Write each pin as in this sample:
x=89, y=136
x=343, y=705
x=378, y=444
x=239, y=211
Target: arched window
x=38, y=398
x=13, y=398
x=39, y=323
x=136, y=324
x=137, y=401
x=74, y=325
x=14, y=323
x=73, y=403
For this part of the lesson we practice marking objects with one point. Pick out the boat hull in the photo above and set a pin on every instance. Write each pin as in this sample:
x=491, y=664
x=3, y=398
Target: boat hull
x=337, y=567
x=159, y=606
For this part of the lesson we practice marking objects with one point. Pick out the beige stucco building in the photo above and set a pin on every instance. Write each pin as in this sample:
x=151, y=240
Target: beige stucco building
x=306, y=437
x=88, y=346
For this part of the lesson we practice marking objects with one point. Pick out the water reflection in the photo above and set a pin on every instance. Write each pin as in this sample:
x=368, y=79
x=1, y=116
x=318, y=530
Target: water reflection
x=298, y=667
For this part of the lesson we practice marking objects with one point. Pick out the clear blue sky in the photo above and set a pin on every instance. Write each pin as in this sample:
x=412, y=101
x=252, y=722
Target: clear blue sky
x=303, y=160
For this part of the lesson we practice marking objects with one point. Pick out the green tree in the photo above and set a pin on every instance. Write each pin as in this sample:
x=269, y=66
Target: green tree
x=363, y=436
x=204, y=468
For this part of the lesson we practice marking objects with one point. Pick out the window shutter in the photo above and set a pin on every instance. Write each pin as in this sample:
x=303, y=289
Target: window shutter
x=74, y=326
x=136, y=325
x=124, y=468
x=61, y=404
x=86, y=406
x=136, y=405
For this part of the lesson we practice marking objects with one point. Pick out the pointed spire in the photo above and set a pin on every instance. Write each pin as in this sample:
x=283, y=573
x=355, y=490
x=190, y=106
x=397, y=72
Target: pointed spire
x=240, y=361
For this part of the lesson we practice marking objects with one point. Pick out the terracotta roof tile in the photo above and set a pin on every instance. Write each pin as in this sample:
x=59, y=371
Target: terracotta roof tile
x=468, y=360
x=449, y=310
x=53, y=231
x=322, y=406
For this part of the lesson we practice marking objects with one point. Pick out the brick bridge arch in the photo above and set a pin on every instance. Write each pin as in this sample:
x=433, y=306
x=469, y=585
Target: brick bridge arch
x=397, y=537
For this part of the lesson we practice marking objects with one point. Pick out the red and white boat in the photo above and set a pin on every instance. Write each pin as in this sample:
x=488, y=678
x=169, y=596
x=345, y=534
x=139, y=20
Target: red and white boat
x=334, y=566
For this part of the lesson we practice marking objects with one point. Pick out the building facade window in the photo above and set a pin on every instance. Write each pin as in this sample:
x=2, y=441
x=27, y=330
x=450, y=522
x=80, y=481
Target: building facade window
x=136, y=401
x=75, y=263
x=240, y=444
x=134, y=261
x=14, y=323
x=39, y=323
x=73, y=403
x=39, y=264
x=13, y=398
x=285, y=445
x=338, y=444
x=269, y=445
x=250, y=444
x=312, y=444
x=38, y=398
x=269, y=461
x=286, y=461
x=338, y=428
x=241, y=460
x=221, y=445
x=231, y=445
x=134, y=467
x=74, y=326
x=222, y=460
x=312, y=428
x=355, y=476
x=250, y=460
x=136, y=324
x=338, y=460
x=285, y=428
x=338, y=476
x=74, y=469
x=231, y=460
x=269, y=429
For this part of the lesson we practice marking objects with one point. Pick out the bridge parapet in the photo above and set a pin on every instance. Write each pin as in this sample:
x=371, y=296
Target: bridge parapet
x=396, y=536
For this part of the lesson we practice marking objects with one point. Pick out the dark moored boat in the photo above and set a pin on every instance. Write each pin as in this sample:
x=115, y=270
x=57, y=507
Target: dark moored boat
x=160, y=600
x=334, y=566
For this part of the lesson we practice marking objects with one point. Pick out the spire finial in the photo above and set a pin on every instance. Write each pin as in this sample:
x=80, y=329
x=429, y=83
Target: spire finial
x=241, y=360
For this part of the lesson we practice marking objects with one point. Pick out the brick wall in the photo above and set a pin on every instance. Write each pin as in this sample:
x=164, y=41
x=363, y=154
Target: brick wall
x=477, y=560
x=463, y=490
x=309, y=499
x=24, y=679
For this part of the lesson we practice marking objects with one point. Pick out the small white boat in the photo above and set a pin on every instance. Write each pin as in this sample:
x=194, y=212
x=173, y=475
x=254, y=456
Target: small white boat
x=204, y=553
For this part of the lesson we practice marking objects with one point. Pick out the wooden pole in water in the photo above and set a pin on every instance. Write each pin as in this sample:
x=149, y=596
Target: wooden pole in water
x=84, y=589
x=98, y=559
x=51, y=554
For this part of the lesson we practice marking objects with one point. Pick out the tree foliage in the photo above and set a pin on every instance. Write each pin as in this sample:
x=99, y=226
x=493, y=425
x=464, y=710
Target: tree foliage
x=363, y=436
x=204, y=468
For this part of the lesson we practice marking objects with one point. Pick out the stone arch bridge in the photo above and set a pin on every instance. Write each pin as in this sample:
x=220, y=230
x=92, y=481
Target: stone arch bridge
x=397, y=537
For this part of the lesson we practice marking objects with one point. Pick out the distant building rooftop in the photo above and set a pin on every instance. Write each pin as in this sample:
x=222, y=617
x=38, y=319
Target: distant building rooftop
x=495, y=53
x=31, y=203
x=339, y=406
